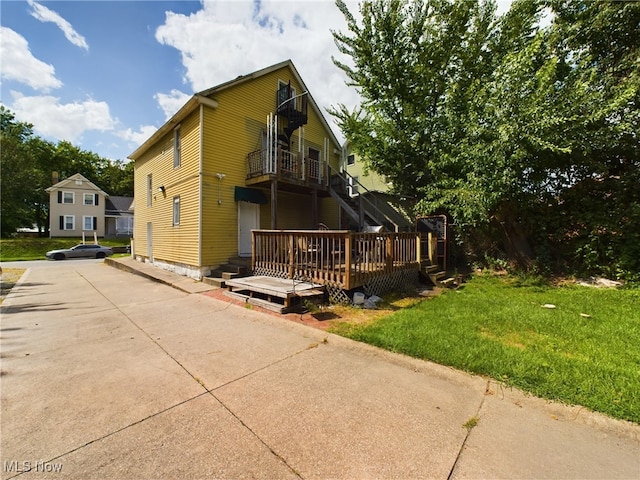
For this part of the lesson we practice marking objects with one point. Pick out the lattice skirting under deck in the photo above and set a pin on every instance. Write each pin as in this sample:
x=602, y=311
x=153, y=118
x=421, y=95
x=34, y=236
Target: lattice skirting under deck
x=401, y=280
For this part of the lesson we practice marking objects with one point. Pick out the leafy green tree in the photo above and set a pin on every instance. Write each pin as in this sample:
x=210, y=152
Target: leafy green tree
x=27, y=166
x=17, y=170
x=495, y=120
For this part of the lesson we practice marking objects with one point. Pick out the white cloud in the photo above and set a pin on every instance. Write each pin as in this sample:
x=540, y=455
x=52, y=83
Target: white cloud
x=69, y=121
x=20, y=65
x=171, y=102
x=43, y=14
x=136, y=139
x=227, y=39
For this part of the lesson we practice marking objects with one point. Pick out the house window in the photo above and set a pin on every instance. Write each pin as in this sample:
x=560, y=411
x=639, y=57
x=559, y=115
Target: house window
x=89, y=198
x=149, y=190
x=351, y=159
x=285, y=93
x=177, y=147
x=69, y=222
x=353, y=186
x=314, y=154
x=176, y=210
x=89, y=223
x=67, y=197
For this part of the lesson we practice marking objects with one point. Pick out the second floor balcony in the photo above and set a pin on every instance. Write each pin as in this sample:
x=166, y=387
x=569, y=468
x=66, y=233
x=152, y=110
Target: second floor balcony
x=287, y=167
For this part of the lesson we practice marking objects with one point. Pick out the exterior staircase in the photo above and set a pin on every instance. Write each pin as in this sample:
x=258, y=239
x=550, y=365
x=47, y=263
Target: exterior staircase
x=360, y=210
x=236, y=267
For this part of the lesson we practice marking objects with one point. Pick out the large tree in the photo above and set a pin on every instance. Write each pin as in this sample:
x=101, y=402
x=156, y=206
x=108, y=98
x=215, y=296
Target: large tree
x=27, y=164
x=493, y=119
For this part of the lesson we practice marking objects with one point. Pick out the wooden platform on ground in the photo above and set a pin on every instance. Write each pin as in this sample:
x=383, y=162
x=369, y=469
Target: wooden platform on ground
x=277, y=294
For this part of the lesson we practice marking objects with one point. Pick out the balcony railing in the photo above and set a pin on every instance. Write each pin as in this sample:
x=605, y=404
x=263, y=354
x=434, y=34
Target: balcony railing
x=288, y=166
x=339, y=257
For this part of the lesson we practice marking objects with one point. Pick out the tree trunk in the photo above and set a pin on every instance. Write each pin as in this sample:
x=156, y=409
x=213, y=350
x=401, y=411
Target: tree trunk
x=515, y=241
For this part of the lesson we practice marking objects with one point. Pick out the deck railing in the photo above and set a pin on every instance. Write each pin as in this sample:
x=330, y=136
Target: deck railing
x=338, y=257
x=287, y=165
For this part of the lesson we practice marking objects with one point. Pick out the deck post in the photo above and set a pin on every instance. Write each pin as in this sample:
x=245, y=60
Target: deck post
x=419, y=250
x=347, y=261
x=389, y=246
x=253, y=250
x=430, y=246
x=291, y=255
x=274, y=204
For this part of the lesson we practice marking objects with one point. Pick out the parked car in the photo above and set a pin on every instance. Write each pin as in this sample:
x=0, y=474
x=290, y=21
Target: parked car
x=80, y=251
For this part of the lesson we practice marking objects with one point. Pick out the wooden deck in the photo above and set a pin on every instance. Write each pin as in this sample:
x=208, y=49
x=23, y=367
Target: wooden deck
x=339, y=258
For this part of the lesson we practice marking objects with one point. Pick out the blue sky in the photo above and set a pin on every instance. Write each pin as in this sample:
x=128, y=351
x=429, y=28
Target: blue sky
x=105, y=75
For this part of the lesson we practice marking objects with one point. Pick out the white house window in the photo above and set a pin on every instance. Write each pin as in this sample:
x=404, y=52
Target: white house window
x=89, y=198
x=69, y=222
x=176, y=211
x=89, y=223
x=149, y=190
x=353, y=186
x=351, y=159
x=67, y=197
x=177, y=148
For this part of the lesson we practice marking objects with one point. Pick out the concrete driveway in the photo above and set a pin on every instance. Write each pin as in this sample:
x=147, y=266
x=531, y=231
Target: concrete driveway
x=110, y=375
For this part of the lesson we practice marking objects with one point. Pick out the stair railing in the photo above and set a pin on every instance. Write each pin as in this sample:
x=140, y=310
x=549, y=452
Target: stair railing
x=344, y=177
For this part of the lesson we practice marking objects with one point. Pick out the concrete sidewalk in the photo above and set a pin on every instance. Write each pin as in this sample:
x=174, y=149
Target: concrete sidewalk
x=146, y=270
x=109, y=375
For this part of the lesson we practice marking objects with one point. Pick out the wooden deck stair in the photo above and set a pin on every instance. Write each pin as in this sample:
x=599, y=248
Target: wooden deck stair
x=435, y=275
x=277, y=294
x=236, y=267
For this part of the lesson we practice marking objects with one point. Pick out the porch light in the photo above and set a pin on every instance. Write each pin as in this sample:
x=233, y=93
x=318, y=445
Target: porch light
x=161, y=189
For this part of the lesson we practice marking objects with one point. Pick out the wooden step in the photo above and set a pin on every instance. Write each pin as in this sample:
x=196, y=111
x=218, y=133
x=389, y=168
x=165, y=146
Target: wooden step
x=215, y=281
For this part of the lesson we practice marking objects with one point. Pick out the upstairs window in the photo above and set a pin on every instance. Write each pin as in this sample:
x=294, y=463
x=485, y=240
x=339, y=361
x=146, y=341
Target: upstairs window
x=149, y=190
x=90, y=199
x=351, y=159
x=66, y=197
x=177, y=147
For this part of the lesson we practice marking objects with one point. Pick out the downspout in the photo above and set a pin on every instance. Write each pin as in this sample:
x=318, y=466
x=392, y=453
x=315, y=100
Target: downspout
x=200, y=187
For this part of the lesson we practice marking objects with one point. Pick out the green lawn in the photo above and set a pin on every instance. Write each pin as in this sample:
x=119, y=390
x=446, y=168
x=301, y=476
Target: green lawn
x=586, y=351
x=15, y=249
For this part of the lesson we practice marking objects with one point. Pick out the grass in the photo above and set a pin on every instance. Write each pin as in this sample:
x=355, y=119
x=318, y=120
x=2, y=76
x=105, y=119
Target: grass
x=16, y=249
x=8, y=280
x=585, y=351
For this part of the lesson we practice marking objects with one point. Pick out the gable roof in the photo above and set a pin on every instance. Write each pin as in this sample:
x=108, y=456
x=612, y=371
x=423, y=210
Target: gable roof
x=70, y=182
x=118, y=206
x=203, y=98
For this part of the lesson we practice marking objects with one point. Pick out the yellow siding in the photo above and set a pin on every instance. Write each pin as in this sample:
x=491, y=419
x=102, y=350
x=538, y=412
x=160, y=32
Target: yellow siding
x=170, y=243
x=229, y=132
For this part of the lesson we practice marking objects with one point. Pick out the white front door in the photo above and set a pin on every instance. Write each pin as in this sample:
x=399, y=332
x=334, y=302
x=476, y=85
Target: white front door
x=248, y=219
x=150, y=241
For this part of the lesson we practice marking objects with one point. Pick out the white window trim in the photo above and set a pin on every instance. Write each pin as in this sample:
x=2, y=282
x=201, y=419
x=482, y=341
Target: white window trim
x=73, y=198
x=149, y=189
x=73, y=222
x=84, y=222
x=92, y=196
x=282, y=83
x=176, y=213
x=177, y=147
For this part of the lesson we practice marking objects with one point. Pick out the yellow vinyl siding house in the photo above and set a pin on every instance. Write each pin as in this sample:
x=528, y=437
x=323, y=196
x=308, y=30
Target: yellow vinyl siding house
x=250, y=153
